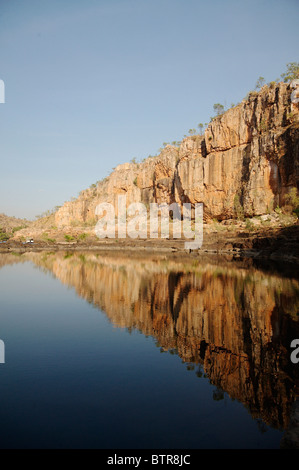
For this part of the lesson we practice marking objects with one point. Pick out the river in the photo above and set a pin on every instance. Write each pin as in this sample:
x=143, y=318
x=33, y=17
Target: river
x=115, y=352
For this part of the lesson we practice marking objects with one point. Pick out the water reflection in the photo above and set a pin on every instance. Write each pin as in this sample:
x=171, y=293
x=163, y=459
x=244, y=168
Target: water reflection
x=231, y=323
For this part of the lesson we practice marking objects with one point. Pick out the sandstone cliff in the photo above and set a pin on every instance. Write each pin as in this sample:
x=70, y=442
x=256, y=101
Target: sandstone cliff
x=248, y=157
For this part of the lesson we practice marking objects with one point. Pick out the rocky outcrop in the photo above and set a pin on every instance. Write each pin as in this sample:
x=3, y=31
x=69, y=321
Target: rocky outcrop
x=10, y=224
x=247, y=158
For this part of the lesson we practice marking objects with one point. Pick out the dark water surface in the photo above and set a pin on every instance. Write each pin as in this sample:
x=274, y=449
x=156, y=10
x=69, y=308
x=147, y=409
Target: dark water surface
x=116, y=352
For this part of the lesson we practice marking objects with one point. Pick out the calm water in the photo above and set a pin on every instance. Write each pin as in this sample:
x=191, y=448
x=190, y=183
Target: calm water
x=112, y=352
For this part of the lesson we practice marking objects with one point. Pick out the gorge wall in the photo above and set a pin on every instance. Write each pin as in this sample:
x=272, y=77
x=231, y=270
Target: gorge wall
x=248, y=156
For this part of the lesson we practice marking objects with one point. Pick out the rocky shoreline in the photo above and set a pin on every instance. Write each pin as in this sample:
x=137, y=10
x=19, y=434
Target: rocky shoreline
x=280, y=244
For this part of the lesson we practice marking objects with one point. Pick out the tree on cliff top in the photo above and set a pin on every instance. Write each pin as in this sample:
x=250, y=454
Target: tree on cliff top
x=260, y=82
x=291, y=73
x=218, y=108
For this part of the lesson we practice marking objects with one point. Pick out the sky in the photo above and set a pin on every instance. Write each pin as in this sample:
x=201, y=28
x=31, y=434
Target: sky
x=92, y=84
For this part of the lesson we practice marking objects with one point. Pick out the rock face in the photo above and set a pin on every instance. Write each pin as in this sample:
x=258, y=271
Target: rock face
x=247, y=160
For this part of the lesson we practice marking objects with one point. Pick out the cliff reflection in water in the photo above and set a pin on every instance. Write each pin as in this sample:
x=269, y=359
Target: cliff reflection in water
x=235, y=324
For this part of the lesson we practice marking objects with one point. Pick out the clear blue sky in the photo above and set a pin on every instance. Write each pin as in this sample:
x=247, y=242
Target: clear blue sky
x=91, y=84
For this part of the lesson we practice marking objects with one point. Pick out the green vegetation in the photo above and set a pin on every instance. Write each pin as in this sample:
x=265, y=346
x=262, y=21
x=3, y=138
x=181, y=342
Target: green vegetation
x=260, y=83
x=290, y=117
x=218, y=108
x=83, y=236
x=69, y=238
x=262, y=126
x=135, y=181
x=218, y=226
x=249, y=225
x=46, y=238
x=20, y=227
x=89, y=223
x=270, y=207
x=291, y=73
x=201, y=128
x=292, y=200
x=3, y=235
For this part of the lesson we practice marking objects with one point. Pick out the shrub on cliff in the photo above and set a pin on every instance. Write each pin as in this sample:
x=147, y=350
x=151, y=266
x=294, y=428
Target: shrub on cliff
x=3, y=236
x=260, y=82
x=292, y=200
x=291, y=73
x=218, y=108
x=69, y=238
